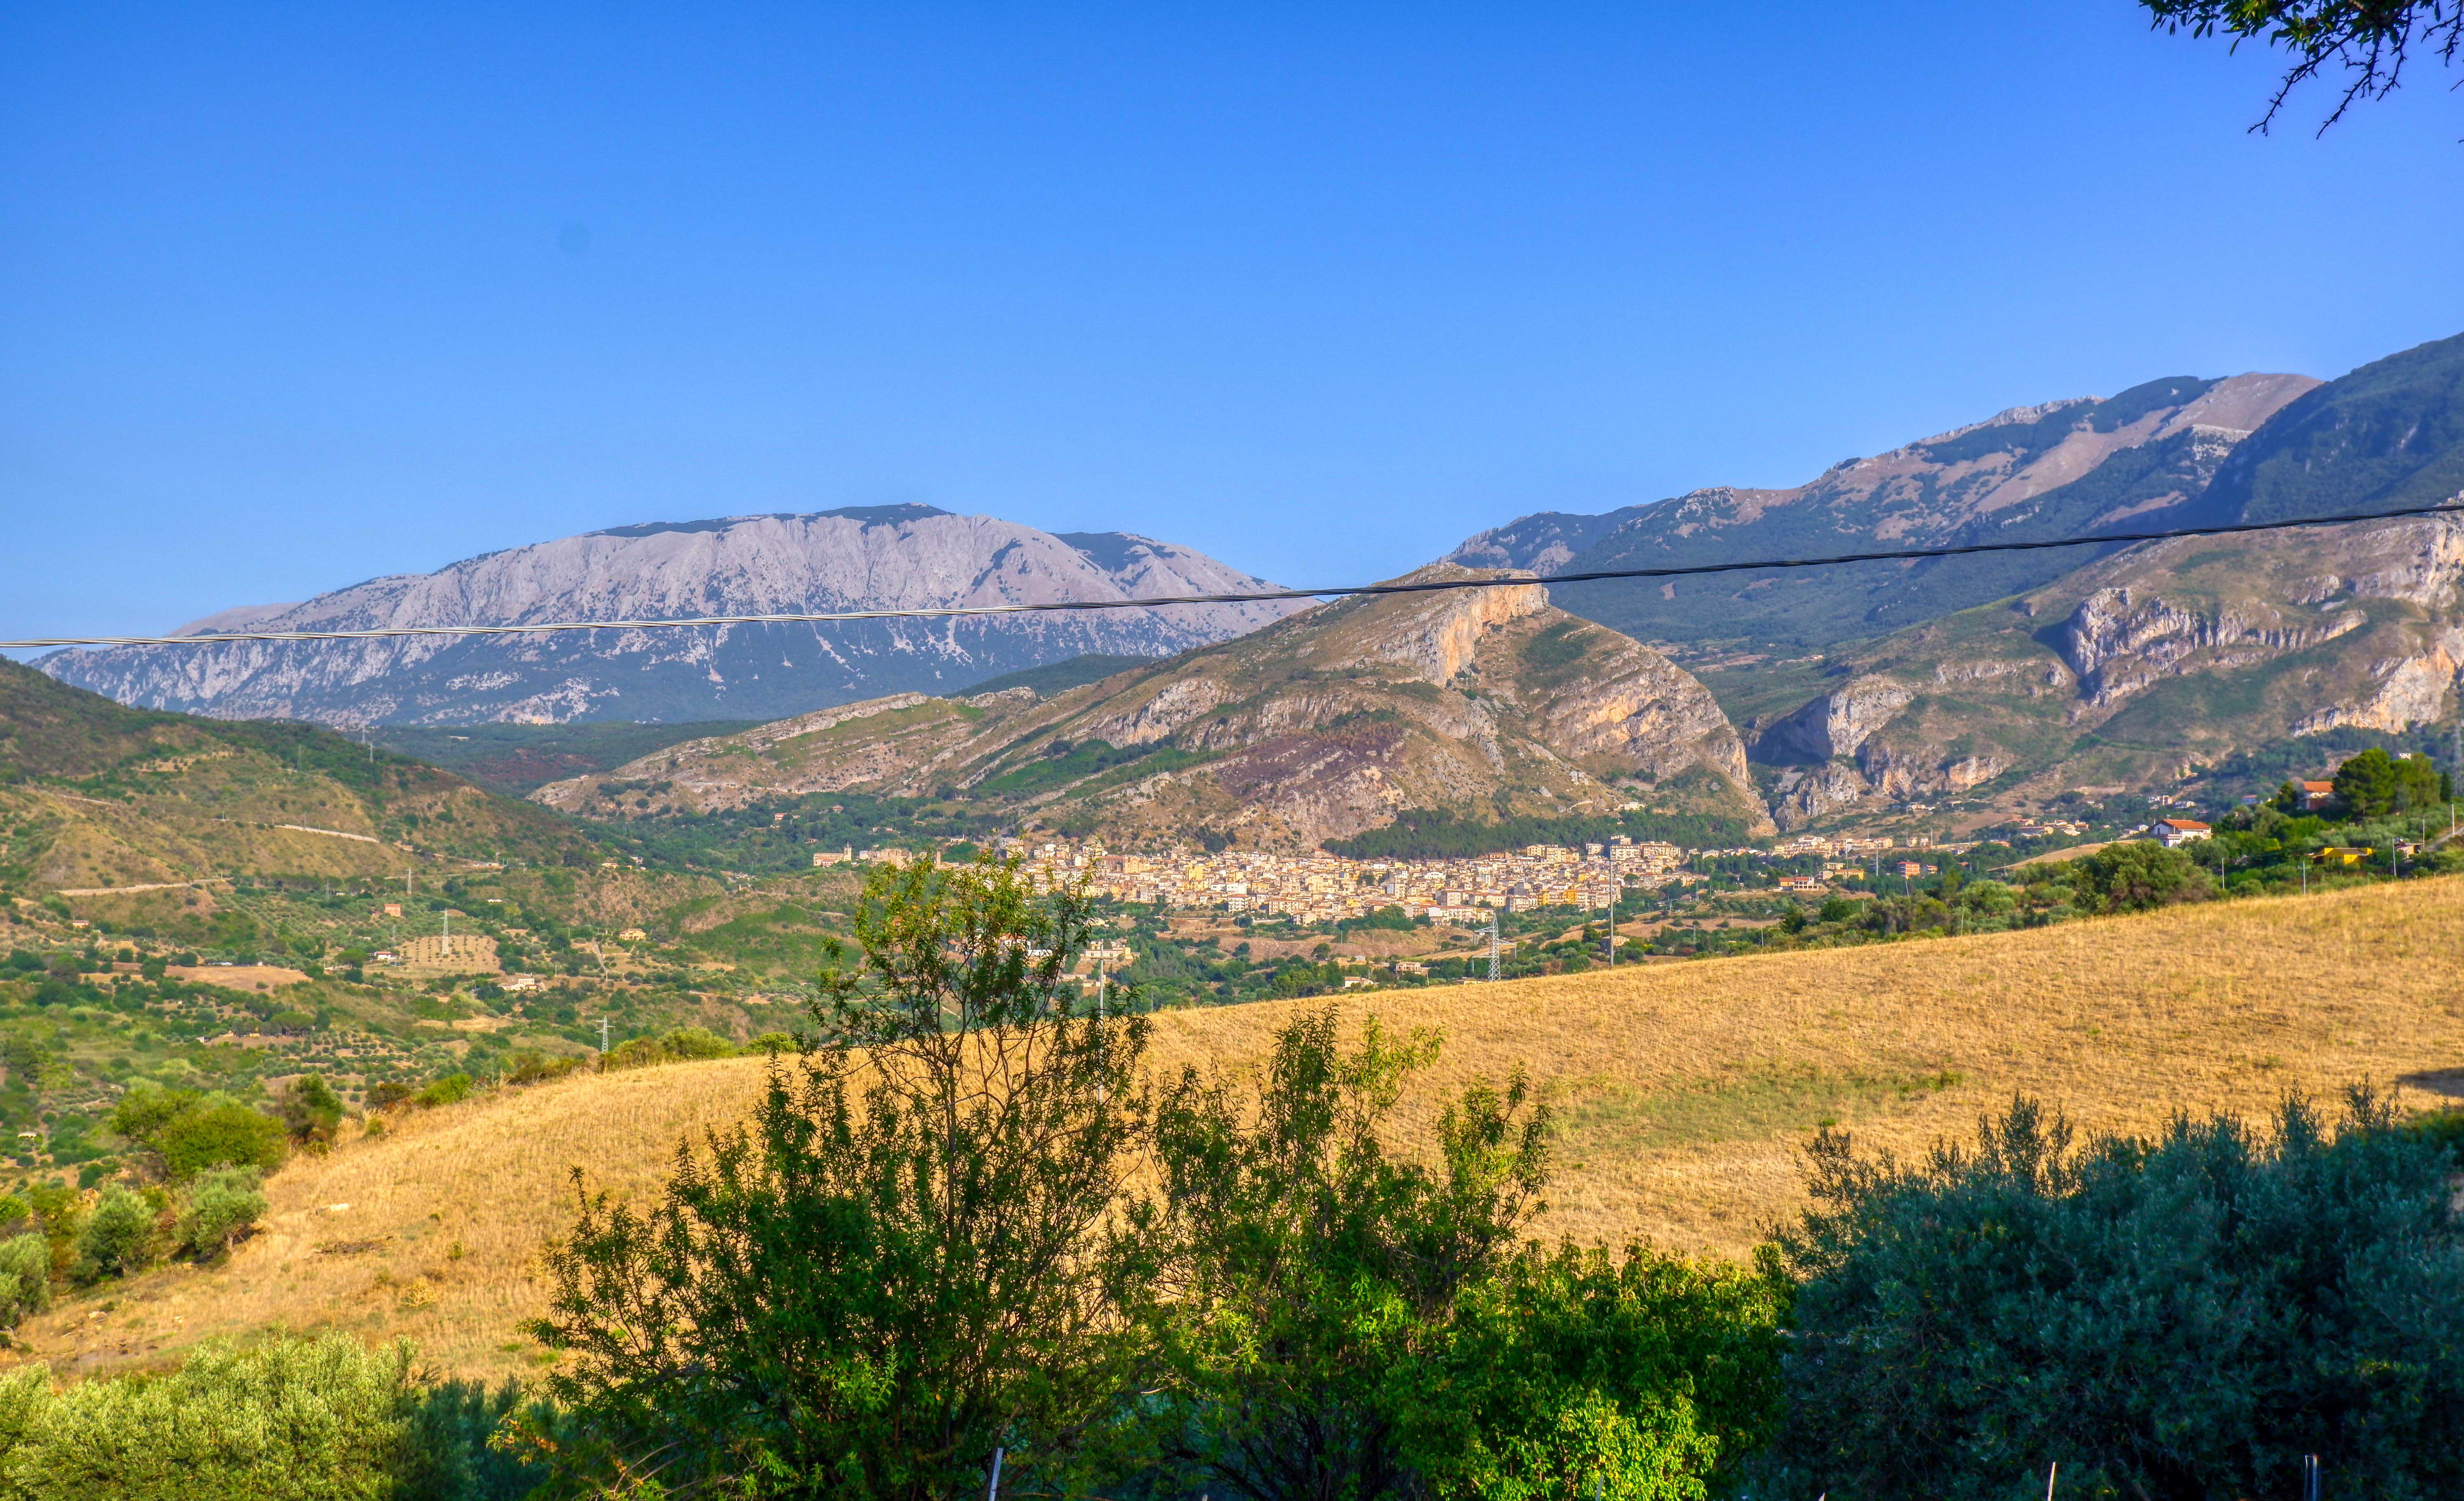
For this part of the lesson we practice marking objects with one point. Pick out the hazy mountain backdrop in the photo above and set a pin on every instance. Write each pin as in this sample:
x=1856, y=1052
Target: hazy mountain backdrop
x=860, y=557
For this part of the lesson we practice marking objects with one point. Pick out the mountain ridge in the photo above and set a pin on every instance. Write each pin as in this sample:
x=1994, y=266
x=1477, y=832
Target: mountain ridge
x=1489, y=702
x=2027, y=472
x=856, y=558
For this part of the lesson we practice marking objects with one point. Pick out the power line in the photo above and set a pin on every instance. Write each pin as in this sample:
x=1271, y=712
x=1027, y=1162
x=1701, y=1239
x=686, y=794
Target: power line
x=1273, y=596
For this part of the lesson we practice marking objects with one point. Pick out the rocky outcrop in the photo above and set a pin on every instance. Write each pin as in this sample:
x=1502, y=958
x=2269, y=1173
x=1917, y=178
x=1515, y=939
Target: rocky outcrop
x=1435, y=634
x=860, y=558
x=2403, y=692
x=1833, y=724
x=2118, y=645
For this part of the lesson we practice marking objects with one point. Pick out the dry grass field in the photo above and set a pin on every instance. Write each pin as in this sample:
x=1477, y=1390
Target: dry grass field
x=1685, y=1089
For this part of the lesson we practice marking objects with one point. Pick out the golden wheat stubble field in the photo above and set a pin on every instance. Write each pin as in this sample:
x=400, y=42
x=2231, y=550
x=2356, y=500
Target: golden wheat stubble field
x=1686, y=1092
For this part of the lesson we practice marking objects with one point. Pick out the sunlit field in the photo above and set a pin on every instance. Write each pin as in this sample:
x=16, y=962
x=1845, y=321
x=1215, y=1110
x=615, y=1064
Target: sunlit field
x=1685, y=1091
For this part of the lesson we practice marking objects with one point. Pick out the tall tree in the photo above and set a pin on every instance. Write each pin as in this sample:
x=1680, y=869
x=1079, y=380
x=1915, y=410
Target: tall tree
x=906, y=1260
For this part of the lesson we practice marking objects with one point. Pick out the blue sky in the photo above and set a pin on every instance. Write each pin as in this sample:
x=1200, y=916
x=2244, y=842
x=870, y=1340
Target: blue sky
x=290, y=298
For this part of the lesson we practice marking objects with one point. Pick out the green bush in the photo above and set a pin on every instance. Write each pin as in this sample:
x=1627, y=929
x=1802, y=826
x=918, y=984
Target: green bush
x=311, y=1110
x=1640, y=1377
x=222, y=1205
x=25, y=1278
x=141, y=1113
x=221, y=1136
x=119, y=1236
x=449, y=1090
x=530, y=1066
x=2139, y=876
x=298, y=1420
x=682, y=1045
x=2185, y=1317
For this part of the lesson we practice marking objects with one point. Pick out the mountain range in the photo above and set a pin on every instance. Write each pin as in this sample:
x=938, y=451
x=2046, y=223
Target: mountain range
x=1787, y=696
x=2026, y=474
x=2024, y=675
x=854, y=558
x=1321, y=727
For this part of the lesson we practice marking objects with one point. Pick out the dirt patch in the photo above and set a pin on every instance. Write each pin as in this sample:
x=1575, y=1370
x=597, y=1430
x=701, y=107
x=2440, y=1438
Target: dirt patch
x=241, y=977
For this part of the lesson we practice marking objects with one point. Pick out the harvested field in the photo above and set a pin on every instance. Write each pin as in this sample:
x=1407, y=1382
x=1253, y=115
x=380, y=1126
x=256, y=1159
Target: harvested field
x=1684, y=1090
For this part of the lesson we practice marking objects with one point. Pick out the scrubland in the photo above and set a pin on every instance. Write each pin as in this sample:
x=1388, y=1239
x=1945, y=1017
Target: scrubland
x=1684, y=1090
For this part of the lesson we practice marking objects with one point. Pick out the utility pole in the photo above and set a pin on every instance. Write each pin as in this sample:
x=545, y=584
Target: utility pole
x=1613, y=900
x=1492, y=943
x=603, y=1036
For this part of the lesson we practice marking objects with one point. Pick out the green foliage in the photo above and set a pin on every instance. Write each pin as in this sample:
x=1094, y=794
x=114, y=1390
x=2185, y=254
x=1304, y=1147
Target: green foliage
x=1385, y=918
x=2366, y=785
x=902, y=1260
x=290, y=1419
x=680, y=1045
x=118, y=1237
x=450, y=1089
x=311, y=1111
x=221, y=1206
x=2375, y=784
x=1307, y=1261
x=25, y=1278
x=219, y=1136
x=2181, y=1317
x=1063, y=762
x=2138, y=876
x=1579, y=1374
x=530, y=1066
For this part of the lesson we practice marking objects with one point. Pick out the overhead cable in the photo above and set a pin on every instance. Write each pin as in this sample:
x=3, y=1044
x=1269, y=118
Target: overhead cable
x=1273, y=596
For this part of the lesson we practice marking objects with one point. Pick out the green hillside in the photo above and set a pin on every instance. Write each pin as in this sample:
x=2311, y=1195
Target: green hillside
x=514, y=759
x=2390, y=434
x=94, y=796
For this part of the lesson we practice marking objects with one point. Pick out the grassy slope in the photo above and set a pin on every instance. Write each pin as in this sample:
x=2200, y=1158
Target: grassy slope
x=513, y=759
x=1685, y=1089
x=94, y=794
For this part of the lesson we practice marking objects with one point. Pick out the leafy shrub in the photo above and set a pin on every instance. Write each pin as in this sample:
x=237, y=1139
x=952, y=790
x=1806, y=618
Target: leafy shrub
x=682, y=1045
x=2180, y=1317
x=311, y=1110
x=119, y=1236
x=530, y=1066
x=25, y=1278
x=1635, y=1376
x=222, y=1205
x=221, y=1136
x=296, y=1419
x=2139, y=876
x=145, y=1109
x=450, y=1089
x=387, y=1095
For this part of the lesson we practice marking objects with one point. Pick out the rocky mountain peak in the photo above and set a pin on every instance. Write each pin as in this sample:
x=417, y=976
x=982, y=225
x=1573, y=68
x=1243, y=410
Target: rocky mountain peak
x=861, y=557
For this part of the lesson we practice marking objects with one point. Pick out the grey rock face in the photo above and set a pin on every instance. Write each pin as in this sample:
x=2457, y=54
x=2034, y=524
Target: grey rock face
x=1836, y=723
x=863, y=557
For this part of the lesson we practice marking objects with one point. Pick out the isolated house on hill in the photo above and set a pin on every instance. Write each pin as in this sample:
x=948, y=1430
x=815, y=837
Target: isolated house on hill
x=2174, y=833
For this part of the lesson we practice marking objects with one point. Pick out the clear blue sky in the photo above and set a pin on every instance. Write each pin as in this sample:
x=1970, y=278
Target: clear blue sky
x=291, y=296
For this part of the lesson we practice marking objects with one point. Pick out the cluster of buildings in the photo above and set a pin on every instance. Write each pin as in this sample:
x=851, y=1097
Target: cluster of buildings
x=1325, y=888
